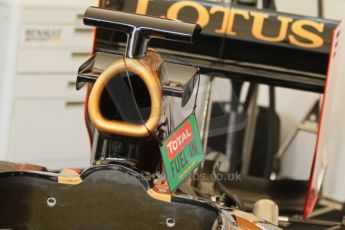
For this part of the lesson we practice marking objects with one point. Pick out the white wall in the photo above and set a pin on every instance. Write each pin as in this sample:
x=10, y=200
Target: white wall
x=303, y=7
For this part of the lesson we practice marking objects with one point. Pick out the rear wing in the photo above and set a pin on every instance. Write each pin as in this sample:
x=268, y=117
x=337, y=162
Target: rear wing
x=242, y=43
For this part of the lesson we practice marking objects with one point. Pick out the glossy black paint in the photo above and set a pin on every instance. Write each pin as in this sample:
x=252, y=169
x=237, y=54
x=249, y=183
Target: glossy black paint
x=110, y=197
x=140, y=29
x=242, y=56
x=169, y=71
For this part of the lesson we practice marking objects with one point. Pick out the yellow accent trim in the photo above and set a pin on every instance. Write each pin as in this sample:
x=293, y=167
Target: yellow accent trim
x=69, y=180
x=146, y=69
x=159, y=196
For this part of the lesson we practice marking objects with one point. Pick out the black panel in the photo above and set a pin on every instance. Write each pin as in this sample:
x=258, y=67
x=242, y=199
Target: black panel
x=110, y=197
x=242, y=56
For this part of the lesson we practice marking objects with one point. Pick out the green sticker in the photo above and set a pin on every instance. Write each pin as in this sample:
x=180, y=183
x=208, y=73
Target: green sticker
x=182, y=152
